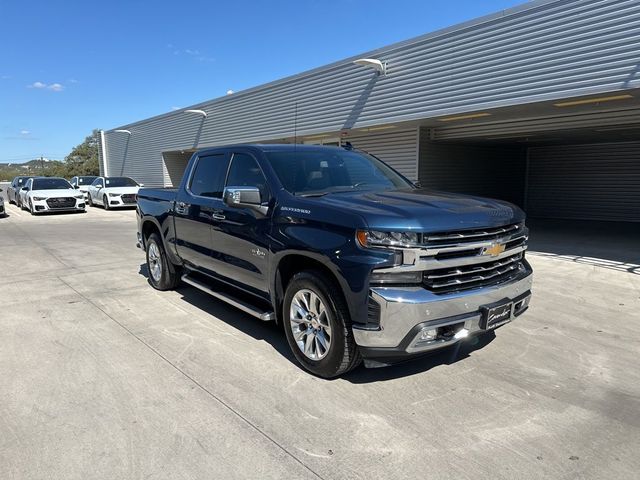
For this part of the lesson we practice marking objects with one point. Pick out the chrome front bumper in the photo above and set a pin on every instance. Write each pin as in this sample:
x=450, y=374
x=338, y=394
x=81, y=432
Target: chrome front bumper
x=405, y=312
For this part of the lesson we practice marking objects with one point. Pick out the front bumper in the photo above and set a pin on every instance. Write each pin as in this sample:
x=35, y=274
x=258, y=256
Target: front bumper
x=41, y=206
x=115, y=202
x=405, y=312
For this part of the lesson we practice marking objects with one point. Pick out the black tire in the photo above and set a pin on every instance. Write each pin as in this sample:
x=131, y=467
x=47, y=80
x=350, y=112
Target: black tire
x=90, y=200
x=169, y=276
x=343, y=354
x=31, y=209
x=105, y=202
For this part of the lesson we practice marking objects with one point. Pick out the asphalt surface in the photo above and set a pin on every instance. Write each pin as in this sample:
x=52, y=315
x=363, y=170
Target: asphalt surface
x=102, y=377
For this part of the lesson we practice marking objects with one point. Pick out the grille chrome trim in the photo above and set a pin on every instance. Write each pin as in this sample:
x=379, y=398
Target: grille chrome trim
x=476, y=269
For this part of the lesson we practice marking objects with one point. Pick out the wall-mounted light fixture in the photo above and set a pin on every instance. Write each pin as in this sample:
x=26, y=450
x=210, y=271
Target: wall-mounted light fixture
x=378, y=65
x=199, y=112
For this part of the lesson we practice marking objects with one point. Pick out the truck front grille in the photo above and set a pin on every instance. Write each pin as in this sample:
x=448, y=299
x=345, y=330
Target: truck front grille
x=462, y=260
x=447, y=280
x=62, y=202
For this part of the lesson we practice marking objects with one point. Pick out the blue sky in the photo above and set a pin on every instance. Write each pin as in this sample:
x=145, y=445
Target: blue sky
x=68, y=67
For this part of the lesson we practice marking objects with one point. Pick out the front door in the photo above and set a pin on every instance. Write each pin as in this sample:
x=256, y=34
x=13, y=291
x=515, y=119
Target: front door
x=241, y=238
x=198, y=207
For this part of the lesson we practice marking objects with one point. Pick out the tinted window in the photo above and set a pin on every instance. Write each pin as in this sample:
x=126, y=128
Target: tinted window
x=208, y=177
x=84, y=180
x=333, y=170
x=97, y=182
x=120, y=182
x=50, y=184
x=245, y=172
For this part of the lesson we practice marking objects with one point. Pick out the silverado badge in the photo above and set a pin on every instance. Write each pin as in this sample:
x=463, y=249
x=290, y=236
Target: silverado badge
x=494, y=250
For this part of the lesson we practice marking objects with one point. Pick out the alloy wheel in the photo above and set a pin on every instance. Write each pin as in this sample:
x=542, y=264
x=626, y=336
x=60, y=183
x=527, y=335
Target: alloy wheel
x=309, y=323
x=155, y=262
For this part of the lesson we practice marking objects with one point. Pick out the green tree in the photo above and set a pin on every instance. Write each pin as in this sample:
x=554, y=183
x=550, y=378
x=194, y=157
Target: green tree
x=83, y=159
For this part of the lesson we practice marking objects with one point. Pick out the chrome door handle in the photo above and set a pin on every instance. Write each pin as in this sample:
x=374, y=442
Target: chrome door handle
x=218, y=216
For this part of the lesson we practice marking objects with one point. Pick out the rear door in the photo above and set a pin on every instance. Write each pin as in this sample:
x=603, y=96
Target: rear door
x=198, y=207
x=241, y=235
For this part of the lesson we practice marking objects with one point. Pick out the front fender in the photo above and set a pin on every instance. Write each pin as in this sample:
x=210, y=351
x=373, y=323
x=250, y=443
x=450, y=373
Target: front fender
x=336, y=249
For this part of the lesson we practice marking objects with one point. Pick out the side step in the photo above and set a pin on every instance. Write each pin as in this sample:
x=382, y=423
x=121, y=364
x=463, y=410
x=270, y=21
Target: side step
x=225, y=297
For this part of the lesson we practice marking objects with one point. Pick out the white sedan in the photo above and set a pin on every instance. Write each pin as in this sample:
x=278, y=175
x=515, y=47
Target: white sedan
x=112, y=192
x=51, y=194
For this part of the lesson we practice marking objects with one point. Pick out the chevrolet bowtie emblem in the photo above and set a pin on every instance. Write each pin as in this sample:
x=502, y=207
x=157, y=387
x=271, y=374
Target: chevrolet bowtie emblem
x=494, y=250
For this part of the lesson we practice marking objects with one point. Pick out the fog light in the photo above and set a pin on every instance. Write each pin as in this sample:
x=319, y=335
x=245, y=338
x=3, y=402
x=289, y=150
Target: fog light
x=428, y=334
x=464, y=333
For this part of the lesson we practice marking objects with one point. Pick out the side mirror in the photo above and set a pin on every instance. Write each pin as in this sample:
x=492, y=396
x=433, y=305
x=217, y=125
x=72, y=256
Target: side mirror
x=244, y=197
x=76, y=187
x=141, y=185
x=24, y=189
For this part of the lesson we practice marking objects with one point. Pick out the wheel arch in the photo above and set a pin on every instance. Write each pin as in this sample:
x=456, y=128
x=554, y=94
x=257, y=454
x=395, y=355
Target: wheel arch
x=288, y=264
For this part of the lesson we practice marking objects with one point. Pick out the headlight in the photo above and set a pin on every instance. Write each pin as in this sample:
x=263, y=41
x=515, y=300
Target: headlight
x=79, y=196
x=114, y=194
x=388, y=239
x=39, y=199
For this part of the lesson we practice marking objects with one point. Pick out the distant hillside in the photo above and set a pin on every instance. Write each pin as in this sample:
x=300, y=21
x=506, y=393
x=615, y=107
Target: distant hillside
x=32, y=167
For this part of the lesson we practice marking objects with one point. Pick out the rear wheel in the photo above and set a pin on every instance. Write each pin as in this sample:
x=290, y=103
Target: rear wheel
x=318, y=326
x=163, y=275
x=105, y=202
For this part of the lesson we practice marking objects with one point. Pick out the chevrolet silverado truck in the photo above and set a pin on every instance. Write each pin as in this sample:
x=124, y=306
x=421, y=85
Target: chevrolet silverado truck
x=353, y=260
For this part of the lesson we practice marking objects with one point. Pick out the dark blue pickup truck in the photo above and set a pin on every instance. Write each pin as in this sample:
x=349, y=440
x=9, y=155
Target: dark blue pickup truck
x=348, y=256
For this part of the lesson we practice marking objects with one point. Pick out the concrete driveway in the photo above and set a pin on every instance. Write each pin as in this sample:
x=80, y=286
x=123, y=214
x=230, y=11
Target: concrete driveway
x=102, y=377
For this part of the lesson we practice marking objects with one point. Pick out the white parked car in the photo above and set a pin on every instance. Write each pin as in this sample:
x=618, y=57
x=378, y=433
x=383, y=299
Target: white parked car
x=51, y=194
x=82, y=183
x=112, y=192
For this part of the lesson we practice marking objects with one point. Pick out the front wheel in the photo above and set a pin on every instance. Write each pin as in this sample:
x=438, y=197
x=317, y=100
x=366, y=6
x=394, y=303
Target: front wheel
x=162, y=274
x=105, y=202
x=90, y=200
x=318, y=325
x=31, y=209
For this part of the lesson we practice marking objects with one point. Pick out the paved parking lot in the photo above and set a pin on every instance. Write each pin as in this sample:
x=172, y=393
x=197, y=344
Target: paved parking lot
x=102, y=377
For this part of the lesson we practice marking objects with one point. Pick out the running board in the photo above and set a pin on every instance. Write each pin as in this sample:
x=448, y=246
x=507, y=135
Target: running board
x=239, y=304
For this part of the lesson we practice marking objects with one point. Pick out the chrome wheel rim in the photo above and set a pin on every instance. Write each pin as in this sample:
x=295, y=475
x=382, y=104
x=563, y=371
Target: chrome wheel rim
x=155, y=264
x=309, y=323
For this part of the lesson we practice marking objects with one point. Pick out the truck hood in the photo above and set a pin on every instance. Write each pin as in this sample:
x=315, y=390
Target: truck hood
x=423, y=210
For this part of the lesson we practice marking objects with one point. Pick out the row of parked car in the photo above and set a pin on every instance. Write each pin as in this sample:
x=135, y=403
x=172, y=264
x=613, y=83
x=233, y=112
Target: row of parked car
x=56, y=194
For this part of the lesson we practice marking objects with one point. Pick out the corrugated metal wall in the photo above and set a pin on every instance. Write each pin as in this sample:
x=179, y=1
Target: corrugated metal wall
x=489, y=171
x=399, y=149
x=175, y=163
x=538, y=51
x=594, y=182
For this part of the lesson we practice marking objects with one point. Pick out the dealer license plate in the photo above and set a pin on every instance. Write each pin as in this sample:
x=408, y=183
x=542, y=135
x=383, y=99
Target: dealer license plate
x=494, y=316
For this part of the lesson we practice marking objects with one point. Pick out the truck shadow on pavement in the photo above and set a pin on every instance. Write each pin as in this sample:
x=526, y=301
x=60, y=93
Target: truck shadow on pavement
x=273, y=334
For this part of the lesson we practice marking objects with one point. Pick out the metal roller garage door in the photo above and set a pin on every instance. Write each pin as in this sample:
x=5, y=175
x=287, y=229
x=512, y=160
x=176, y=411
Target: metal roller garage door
x=590, y=182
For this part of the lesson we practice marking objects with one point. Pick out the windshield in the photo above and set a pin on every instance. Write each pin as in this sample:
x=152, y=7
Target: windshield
x=86, y=180
x=318, y=172
x=50, y=184
x=120, y=182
